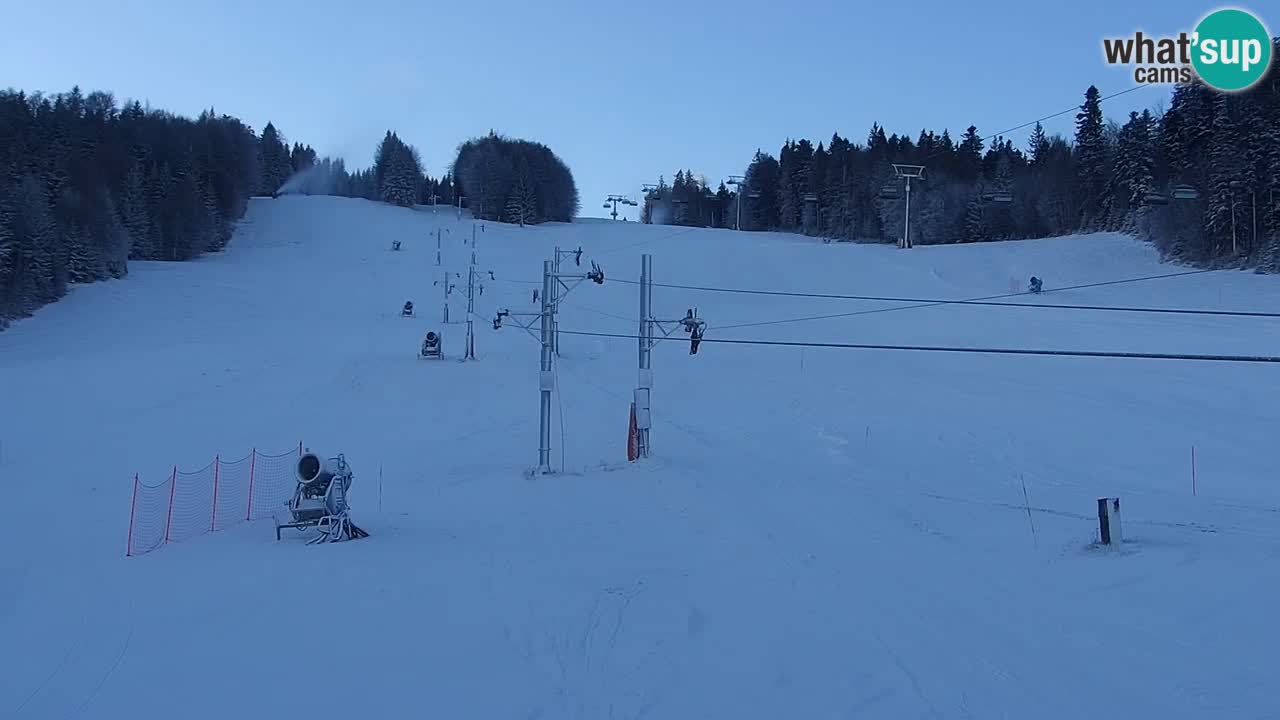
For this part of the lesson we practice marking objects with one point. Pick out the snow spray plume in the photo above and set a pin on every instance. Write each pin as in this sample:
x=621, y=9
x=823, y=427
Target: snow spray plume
x=660, y=213
x=319, y=179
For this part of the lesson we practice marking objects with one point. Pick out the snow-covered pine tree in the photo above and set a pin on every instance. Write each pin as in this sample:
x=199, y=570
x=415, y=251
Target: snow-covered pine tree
x=135, y=215
x=975, y=225
x=36, y=236
x=1038, y=145
x=110, y=236
x=1091, y=161
x=1269, y=193
x=273, y=163
x=1223, y=220
x=1133, y=169
x=79, y=254
x=969, y=156
x=526, y=193
x=8, y=257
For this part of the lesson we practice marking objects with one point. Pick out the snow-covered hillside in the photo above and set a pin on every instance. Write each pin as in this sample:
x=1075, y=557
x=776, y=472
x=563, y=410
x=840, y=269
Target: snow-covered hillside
x=820, y=533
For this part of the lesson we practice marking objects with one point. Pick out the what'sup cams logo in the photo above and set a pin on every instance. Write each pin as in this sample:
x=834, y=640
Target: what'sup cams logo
x=1230, y=50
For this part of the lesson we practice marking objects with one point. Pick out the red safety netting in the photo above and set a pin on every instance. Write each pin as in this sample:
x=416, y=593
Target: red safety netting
x=215, y=497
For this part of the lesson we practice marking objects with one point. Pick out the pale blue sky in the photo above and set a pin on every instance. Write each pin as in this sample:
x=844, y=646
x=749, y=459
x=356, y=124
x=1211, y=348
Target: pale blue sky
x=623, y=92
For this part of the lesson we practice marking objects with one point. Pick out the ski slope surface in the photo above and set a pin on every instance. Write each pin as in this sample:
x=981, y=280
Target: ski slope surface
x=819, y=532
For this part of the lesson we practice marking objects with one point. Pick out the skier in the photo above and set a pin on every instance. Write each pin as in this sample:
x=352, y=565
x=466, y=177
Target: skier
x=1036, y=284
x=695, y=337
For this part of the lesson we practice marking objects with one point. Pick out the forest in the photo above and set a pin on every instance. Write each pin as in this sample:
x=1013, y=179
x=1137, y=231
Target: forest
x=87, y=185
x=1201, y=180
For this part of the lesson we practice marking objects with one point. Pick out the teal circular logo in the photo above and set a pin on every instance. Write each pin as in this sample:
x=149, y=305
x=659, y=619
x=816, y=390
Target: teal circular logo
x=1232, y=50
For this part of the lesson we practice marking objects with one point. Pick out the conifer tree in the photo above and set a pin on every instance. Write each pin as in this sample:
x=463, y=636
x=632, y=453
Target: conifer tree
x=1091, y=159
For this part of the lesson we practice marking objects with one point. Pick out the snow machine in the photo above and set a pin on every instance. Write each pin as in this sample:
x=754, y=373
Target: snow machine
x=320, y=500
x=1036, y=284
x=432, y=347
x=408, y=309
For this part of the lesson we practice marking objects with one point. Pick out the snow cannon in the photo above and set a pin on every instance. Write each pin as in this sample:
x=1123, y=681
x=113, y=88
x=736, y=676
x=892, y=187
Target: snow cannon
x=432, y=346
x=315, y=475
x=320, y=499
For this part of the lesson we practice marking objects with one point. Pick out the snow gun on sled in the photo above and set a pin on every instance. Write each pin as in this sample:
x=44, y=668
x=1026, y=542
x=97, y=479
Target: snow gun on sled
x=320, y=500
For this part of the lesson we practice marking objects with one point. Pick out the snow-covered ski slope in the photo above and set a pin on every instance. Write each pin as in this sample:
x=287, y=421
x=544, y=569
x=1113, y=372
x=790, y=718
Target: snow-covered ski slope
x=819, y=533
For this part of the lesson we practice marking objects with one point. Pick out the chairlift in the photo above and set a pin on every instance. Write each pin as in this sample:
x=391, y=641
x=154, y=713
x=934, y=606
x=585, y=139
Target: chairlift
x=695, y=327
x=1185, y=192
x=606, y=206
x=597, y=274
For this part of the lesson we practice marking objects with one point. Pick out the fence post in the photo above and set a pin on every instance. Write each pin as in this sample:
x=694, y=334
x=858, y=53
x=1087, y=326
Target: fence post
x=133, y=508
x=217, y=462
x=173, y=486
x=253, y=463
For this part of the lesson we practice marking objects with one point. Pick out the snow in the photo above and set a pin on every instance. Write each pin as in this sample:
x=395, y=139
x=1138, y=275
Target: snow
x=819, y=533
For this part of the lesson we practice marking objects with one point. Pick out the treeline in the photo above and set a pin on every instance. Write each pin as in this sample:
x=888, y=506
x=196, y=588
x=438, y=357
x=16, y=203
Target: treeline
x=515, y=181
x=499, y=179
x=1201, y=180
x=687, y=201
x=396, y=177
x=86, y=186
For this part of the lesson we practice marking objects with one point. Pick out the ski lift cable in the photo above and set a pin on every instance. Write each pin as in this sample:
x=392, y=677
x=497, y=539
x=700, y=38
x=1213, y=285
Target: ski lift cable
x=660, y=238
x=926, y=302
x=941, y=302
x=958, y=349
x=1073, y=108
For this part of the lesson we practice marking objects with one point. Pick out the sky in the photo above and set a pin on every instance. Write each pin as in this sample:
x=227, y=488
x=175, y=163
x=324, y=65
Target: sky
x=622, y=92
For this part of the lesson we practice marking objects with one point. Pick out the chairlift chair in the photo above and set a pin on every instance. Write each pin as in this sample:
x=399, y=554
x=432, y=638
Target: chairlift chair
x=1155, y=198
x=999, y=196
x=695, y=327
x=1185, y=192
x=888, y=192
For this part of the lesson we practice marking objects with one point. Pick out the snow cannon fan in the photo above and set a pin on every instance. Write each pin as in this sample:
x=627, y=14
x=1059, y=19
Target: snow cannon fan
x=320, y=499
